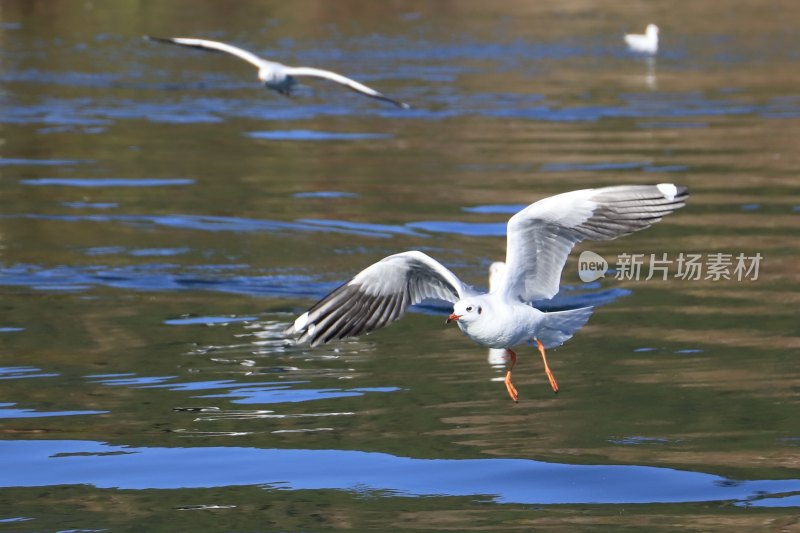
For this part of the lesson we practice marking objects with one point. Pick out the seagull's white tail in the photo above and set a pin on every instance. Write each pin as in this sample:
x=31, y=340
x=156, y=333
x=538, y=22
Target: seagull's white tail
x=559, y=326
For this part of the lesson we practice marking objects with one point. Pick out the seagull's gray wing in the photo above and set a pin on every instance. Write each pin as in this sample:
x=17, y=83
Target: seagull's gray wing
x=377, y=296
x=541, y=236
x=343, y=80
x=211, y=45
x=557, y=327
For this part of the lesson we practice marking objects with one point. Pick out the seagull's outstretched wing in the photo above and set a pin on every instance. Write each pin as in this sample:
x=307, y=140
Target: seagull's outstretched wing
x=541, y=236
x=343, y=80
x=211, y=45
x=376, y=296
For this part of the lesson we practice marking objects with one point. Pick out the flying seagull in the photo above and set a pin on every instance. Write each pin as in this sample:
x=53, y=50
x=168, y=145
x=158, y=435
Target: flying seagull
x=276, y=76
x=539, y=239
x=644, y=44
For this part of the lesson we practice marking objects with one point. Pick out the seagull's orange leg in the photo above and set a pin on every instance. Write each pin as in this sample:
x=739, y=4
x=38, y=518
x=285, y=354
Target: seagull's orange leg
x=547, y=371
x=512, y=390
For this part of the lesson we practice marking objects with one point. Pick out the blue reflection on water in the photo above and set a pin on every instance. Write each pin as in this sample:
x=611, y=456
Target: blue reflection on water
x=268, y=392
x=285, y=394
x=15, y=519
x=36, y=463
x=6, y=411
x=475, y=229
x=162, y=277
x=654, y=110
x=23, y=372
x=499, y=209
x=91, y=205
x=207, y=320
x=308, y=135
x=772, y=501
x=325, y=194
x=235, y=224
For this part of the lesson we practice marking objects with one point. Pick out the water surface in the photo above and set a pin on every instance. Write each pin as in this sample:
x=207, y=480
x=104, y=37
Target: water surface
x=164, y=219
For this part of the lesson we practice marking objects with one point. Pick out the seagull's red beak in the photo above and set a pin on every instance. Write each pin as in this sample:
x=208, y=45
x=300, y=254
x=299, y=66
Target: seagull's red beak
x=452, y=317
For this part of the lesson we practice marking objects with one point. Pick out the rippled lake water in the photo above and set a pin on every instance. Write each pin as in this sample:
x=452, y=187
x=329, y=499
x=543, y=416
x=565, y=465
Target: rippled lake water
x=163, y=219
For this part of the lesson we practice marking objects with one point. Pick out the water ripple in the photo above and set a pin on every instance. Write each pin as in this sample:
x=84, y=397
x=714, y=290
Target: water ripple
x=106, y=182
x=285, y=394
x=473, y=229
x=168, y=277
x=608, y=165
x=652, y=109
x=308, y=135
x=325, y=194
x=236, y=224
x=162, y=277
x=268, y=392
x=6, y=411
x=6, y=161
x=207, y=320
x=37, y=463
x=23, y=372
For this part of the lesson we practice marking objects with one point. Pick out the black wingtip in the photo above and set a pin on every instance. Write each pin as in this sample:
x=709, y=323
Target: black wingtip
x=384, y=98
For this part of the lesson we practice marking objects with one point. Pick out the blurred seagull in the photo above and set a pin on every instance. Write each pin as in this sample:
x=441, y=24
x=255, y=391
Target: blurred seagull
x=275, y=76
x=644, y=44
x=539, y=239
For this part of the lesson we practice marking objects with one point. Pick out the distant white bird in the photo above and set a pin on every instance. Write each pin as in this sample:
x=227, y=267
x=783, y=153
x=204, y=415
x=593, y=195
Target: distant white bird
x=275, y=76
x=539, y=239
x=644, y=44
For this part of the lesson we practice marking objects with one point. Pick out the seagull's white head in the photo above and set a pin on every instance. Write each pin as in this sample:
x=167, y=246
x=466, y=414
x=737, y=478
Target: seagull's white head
x=466, y=311
x=651, y=30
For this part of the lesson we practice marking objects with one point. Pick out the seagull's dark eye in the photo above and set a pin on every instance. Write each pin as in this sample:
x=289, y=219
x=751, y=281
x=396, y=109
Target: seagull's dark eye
x=469, y=309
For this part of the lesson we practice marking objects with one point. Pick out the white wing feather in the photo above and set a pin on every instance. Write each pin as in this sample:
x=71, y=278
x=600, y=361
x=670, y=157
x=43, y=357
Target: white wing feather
x=541, y=236
x=213, y=45
x=343, y=80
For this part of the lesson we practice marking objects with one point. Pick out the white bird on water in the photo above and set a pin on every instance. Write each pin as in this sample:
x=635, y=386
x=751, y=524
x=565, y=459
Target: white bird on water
x=539, y=239
x=276, y=76
x=644, y=44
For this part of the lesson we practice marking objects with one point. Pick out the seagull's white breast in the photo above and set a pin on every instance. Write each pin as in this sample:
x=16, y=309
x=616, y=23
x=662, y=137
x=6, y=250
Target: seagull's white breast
x=503, y=326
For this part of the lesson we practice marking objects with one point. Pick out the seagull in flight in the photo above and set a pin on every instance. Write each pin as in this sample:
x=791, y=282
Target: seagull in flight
x=276, y=76
x=539, y=239
x=644, y=44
